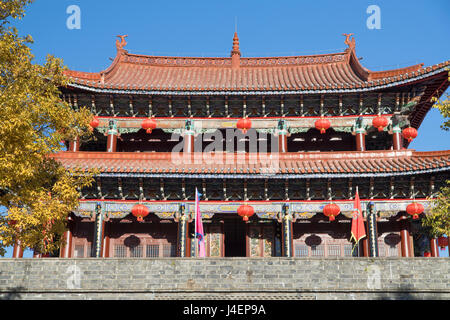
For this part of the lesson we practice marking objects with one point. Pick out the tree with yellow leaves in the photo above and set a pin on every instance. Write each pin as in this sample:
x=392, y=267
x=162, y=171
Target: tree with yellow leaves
x=36, y=192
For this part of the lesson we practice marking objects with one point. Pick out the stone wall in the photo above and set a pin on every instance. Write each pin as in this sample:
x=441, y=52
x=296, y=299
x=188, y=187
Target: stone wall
x=225, y=278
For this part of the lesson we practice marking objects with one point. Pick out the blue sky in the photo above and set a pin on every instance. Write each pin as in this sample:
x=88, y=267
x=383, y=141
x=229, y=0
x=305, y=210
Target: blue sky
x=411, y=32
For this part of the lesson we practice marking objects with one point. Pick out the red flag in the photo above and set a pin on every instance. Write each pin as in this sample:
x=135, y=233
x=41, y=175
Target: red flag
x=358, y=230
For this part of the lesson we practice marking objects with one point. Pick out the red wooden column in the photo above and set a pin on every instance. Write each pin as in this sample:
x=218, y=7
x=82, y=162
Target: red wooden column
x=111, y=144
x=397, y=138
x=434, y=247
x=282, y=136
x=106, y=239
x=405, y=238
x=188, y=139
x=74, y=145
x=360, y=135
x=66, y=249
x=282, y=143
x=17, y=250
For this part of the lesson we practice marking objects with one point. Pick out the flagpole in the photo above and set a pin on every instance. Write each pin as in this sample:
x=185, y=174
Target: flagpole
x=357, y=243
x=195, y=223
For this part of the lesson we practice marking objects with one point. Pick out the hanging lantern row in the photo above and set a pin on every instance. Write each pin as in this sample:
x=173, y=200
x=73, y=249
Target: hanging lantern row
x=244, y=124
x=414, y=209
x=140, y=212
x=148, y=124
x=245, y=211
x=331, y=210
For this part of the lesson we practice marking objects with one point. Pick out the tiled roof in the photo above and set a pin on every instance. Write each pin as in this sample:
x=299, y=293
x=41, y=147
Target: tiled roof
x=336, y=71
x=299, y=164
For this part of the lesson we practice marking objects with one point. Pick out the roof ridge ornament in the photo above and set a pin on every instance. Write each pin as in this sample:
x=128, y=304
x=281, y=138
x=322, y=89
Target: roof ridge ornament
x=122, y=43
x=350, y=42
x=235, y=52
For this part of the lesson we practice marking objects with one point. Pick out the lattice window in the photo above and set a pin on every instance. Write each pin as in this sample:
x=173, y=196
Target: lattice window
x=313, y=245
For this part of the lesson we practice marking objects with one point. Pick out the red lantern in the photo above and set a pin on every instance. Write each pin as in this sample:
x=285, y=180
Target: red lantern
x=94, y=123
x=322, y=124
x=414, y=209
x=245, y=211
x=427, y=254
x=442, y=242
x=331, y=210
x=244, y=124
x=148, y=125
x=409, y=133
x=140, y=212
x=380, y=122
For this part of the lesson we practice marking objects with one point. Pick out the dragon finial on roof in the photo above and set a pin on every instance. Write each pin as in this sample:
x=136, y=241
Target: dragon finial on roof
x=348, y=41
x=122, y=43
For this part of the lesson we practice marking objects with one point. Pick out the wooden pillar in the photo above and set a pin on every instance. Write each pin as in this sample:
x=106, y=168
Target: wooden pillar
x=17, y=250
x=183, y=232
x=282, y=136
x=397, y=138
x=282, y=143
x=372, y=237
x=286, y=232
x=99, y=225
x=74, y=145
x=66, y=248
x=189, y=139
x=365, y=248
x=360, y=135
x=111, y=144
x=434, y=247
x=405, y=238
x=106, y=239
